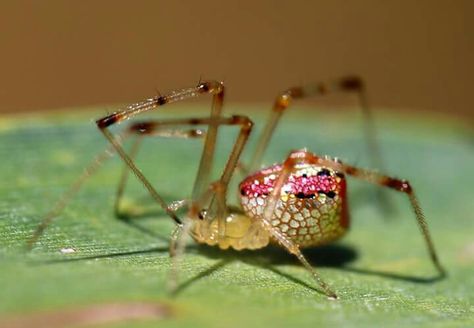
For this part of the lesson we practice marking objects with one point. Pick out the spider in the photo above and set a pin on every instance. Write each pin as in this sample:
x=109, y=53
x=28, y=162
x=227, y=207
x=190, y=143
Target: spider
x=301, y=202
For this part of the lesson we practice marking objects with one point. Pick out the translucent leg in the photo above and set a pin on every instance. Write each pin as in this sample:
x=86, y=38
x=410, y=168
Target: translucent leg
x=348, y=84
x=282, y=238
x=393, y=183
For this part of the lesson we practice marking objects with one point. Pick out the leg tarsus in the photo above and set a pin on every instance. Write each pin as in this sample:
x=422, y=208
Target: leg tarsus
x=327, y=290
x=177, y=246
x=175, y=236
x=123, y=181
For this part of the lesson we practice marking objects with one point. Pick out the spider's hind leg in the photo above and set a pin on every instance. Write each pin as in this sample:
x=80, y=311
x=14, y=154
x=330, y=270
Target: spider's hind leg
x=399, y=185
x=344, y=85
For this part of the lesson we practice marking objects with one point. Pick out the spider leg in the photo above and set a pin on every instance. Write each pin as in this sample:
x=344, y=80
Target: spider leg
x=399, y=185
x=92, y=168
x=214, y=194
x=213, y=88
x=281, y=237
x=216, y=89
x=67, y=196
x=348, y=84
x=218, y=206
x=140, y=131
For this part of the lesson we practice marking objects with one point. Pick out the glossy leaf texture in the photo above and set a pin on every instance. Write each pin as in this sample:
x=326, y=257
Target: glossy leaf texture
x=380, y=270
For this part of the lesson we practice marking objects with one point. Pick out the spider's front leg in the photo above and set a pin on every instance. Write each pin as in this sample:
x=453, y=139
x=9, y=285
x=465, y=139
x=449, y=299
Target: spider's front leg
x=282, y=238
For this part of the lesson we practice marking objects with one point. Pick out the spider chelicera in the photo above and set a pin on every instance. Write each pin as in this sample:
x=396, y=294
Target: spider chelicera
x=298, y=203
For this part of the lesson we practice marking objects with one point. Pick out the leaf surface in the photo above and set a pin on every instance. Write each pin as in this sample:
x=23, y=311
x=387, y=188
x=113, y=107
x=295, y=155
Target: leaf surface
x=380, y=270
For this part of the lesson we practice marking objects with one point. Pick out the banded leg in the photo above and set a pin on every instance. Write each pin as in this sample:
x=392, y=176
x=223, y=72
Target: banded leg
x=216, y=89
x=282, y=238
x=213, y=88
x=283, y=101
x=400, y=185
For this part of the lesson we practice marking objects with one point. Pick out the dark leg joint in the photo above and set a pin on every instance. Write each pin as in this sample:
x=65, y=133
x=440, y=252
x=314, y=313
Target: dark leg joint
x=244, y=121
x=204, y=87
x=400, y=185
x=161, y=100
x=210, y=87
x=108, y=120
x=352, y=83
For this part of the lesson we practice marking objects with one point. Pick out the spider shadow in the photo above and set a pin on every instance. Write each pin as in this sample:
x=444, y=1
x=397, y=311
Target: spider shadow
x=334, y=256
x=270, y=257
x=267, y=258
x=337, y=256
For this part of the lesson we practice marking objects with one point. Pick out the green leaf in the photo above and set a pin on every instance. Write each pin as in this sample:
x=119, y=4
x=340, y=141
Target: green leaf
x=380, y=270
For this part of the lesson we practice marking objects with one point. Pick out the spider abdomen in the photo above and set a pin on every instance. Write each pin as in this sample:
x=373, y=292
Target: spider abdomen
x=311, y=208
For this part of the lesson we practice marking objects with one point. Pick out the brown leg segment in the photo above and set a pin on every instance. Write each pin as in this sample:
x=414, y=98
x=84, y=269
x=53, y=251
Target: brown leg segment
x=283, y=101
x=395, y=184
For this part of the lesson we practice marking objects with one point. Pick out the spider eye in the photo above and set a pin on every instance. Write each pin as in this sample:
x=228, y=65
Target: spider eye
x=204, y=87
x=325, y=172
